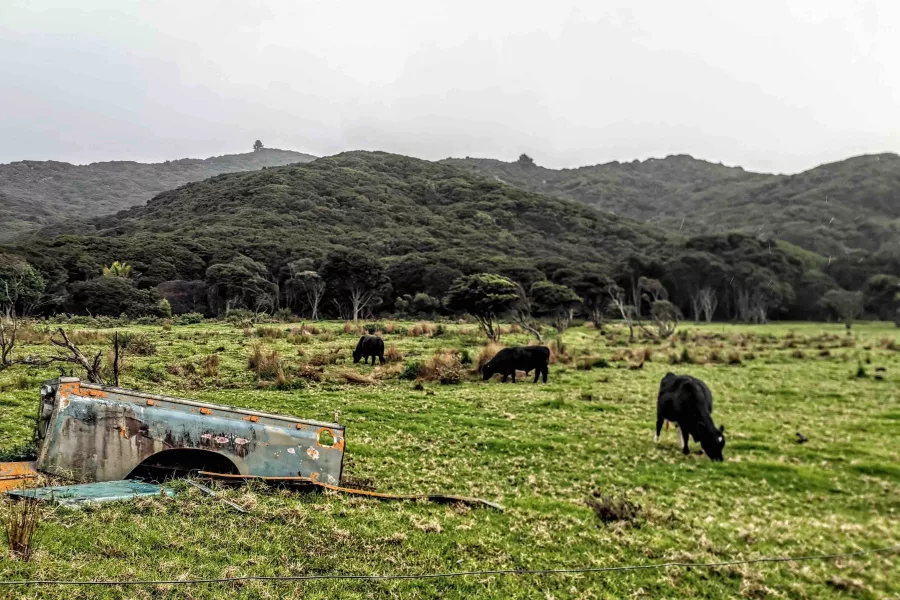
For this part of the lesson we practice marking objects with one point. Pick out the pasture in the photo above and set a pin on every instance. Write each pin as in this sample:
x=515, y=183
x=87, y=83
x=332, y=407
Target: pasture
x=541, y=450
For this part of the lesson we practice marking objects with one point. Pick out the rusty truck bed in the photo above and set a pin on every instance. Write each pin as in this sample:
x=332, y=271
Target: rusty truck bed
x=90, y=432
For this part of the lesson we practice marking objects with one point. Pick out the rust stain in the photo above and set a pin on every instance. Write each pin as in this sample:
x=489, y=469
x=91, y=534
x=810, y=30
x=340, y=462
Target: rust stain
x=301, y=426
x=14, y=474
x=151, y=402
x=205, y=411
x=251, y=418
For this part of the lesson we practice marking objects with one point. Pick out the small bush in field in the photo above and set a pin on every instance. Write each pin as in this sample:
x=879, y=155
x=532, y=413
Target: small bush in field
x=137, y=344
x=411, y=371
x=734, y=357
x=272, y=333
x=444, y=366
x=465, y=357
x=326, y=358
x=191, y=318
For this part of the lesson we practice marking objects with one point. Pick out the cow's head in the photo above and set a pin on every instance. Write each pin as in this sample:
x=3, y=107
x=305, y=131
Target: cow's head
x=487, y=371
x=356, y=356
x=714, y=443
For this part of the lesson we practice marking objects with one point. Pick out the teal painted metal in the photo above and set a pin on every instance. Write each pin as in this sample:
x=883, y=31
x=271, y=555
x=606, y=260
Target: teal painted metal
x=93, y=432
x=88, y=493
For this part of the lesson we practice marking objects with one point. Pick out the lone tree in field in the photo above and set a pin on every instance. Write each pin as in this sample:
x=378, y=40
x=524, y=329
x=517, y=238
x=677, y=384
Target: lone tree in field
x=525, y=160
x=558, y=302
x=355, y=277
x=257, y=146
x=486, y=297
x=666, y=316
x=845, y=303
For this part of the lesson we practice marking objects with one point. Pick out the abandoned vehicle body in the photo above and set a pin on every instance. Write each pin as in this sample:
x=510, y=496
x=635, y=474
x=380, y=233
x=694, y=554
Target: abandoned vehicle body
x=92, y=432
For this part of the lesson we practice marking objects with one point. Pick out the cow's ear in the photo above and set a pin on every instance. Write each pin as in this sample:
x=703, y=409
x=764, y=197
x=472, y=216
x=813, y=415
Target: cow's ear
x=721, y=429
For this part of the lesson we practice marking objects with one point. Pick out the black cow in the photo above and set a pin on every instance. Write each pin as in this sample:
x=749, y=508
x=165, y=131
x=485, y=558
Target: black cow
x=687, y=401
x=369, y=345
x=518, y=358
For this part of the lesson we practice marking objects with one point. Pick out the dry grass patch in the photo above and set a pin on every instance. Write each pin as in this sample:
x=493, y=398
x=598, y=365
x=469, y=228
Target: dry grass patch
x=423, y=328
x=266, y=365
x=355, y=377
x=486, y=353
x=326, y=358
x=393, y=354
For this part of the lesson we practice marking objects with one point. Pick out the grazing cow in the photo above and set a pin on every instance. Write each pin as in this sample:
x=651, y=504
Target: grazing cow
x=687, y=401
x=369, y=345
x=518, y=358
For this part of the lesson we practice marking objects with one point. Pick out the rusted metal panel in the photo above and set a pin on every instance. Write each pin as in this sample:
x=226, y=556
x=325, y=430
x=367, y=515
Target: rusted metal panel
x=100, y=433
x=91, y=493
x=15, y=474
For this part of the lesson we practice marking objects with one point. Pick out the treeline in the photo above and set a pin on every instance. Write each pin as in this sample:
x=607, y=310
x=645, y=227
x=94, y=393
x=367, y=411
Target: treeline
x=365, y=234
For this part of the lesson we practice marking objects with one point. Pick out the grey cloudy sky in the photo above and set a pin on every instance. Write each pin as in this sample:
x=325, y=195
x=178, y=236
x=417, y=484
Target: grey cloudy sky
x=769, y=85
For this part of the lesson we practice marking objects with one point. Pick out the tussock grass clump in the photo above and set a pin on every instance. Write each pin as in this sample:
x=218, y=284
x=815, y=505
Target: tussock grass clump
x=798, y=354
x=326, y=358
x=647, y=354
x=734, y=358
x=614, y=508
x=422, y=328
x=486, y=353
x=889, y=343
x=271, y=333
x=411, y=371
x=210, y=366
x=848, y=342
x=266, y=365
x=390, y=371
x=354, y=329
x=31, y=335
x=714, y=356
x=861, y=371
x=392, y=354
x=22, y=520
x=443, y=366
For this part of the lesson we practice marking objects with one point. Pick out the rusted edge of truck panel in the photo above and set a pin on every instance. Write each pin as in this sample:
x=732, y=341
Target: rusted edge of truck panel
x=93, y=389
x=15, y=474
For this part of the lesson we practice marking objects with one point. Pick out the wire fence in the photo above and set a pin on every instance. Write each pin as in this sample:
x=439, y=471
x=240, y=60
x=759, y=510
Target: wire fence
x=447, y=575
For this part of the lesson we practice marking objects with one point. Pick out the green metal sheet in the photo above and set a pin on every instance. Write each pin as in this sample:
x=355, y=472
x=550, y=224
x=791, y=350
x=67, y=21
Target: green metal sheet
x=85, y=493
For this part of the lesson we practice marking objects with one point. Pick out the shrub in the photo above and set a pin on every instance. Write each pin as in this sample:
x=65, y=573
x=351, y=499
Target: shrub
x=465, y=357
x=444, y=366
x=392, y=354
x=798, y=353
x=610, y=509
x=861, y=371
x=734, y=357
x=685, y=357
x=411, y=371
x=137, y=344
x=284, y=315
x=272, y=333
x=191, y=318
x=714, y=356
x=309, y=373
x=240, y=316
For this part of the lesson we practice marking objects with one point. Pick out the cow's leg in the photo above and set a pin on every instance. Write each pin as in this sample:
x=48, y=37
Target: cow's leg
x=683, y=437
x=659, y=424
x=505, y=377
x=546, y=370
x=514, y=375
x=380, y=359
x=537, y=374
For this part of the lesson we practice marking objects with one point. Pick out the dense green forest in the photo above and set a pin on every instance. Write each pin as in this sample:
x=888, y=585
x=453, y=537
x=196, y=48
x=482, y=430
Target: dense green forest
x=38, y=193
x=832, y=210
x=362, y=233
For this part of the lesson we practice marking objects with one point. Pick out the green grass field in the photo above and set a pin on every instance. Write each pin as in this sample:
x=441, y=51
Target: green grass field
x=540, y=450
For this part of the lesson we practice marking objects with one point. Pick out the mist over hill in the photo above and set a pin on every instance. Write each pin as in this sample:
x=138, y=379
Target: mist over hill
x=832, y=210
x=34, y=194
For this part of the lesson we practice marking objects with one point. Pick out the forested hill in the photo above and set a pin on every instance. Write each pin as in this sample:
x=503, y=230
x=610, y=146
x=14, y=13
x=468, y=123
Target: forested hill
x=37, y=193
x=832, y=209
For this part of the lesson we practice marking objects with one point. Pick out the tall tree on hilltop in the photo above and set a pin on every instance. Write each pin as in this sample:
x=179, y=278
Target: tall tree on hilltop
x=257, y=146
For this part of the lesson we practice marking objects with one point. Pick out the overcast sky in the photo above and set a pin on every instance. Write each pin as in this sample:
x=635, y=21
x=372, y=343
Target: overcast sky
x=769, y=85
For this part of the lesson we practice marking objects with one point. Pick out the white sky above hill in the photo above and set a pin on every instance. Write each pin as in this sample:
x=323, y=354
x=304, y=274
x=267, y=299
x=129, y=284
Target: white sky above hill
x=769, y=85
